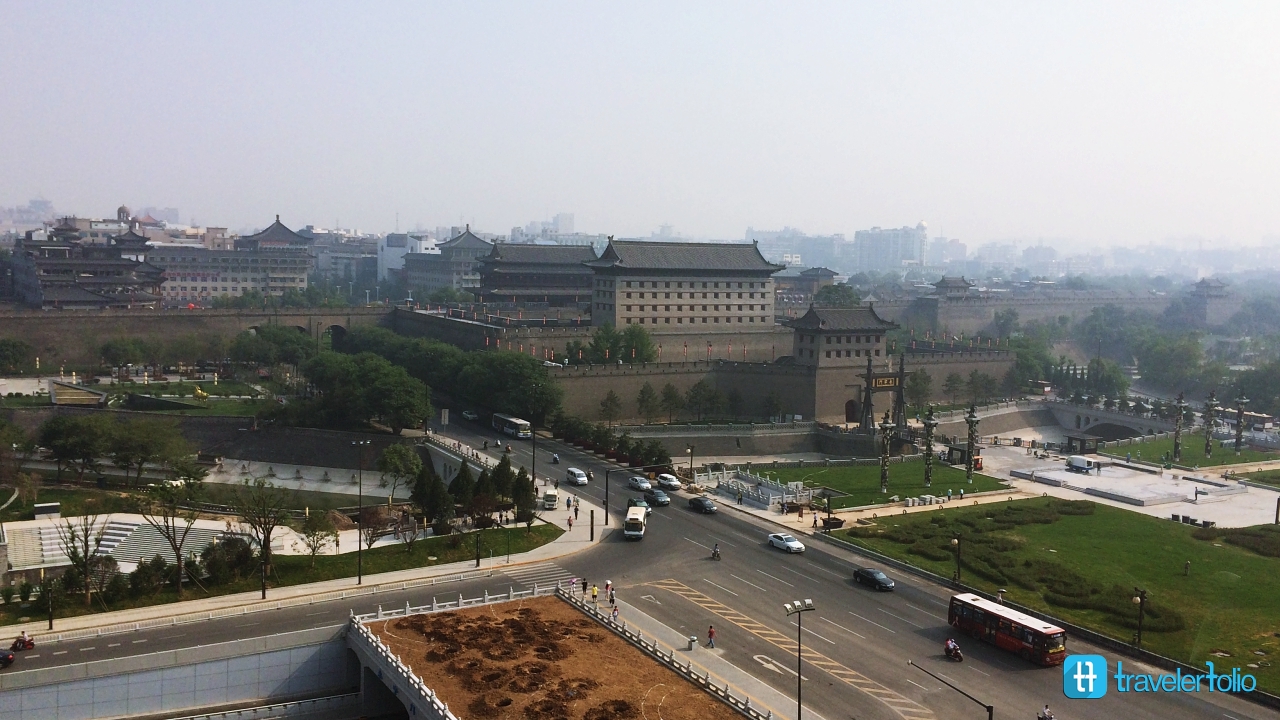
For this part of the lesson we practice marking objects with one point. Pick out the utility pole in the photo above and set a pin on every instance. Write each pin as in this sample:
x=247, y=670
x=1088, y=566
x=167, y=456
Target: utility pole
x=972, y=421
x=930, y=425
x=360, y=445
x=798, y=609
x=1241, y=401
x=1181, y=406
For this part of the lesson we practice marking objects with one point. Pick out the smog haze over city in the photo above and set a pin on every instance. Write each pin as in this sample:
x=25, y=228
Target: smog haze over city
x=1085, y=125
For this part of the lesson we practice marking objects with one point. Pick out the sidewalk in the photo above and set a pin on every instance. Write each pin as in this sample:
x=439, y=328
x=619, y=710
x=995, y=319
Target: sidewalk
x=705, y=660
x=570, y=542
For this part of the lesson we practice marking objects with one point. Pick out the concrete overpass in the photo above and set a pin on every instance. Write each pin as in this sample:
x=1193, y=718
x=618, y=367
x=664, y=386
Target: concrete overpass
x=1008, y=418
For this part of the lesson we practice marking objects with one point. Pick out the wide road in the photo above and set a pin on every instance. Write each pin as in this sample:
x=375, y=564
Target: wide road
x=857, y=642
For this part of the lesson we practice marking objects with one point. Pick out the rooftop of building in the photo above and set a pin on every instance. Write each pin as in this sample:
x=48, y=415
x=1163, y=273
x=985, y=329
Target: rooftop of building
x=686, y=257
x=466, y=240
x=540, y=254
x=859, y=318
x=276, y=234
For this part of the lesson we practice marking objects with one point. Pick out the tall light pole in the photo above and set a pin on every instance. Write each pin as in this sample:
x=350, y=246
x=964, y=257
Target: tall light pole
x=930, y=425
x=360, y=445
x=1140, y=599
x=1210, y=417
x=1180, y=405
x=955, y=543
x=972, y=421
x=1241, y=401
x=690, y=450
x=798, y=609
x=885, y=428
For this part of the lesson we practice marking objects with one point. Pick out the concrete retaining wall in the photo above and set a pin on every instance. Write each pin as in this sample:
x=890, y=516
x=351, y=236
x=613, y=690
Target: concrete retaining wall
x=285, y=666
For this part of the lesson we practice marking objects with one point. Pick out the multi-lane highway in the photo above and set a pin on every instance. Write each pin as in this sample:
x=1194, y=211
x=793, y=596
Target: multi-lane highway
x=857, y=641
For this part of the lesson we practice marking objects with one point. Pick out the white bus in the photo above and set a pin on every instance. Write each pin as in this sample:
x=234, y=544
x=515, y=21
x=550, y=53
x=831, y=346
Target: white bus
x=633, y=526
x=513, y=426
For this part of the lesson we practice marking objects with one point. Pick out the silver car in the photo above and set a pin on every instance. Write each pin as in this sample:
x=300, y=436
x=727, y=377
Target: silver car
x=784, y=541
x=638, y=482
x=669, y=482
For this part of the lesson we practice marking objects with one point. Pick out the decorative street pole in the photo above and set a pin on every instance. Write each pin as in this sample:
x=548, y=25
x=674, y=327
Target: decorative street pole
x=886, y=427
x=1210, y=415
x=955, y=543
x=797, y=608
x=1139, y=599
x=1180, y=406
x=971, y=420
x=360, y=446
x=930, y=424
x=1241, y=401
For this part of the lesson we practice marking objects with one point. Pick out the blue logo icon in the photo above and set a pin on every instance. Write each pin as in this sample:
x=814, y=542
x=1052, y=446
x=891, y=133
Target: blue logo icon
x=1084, y=677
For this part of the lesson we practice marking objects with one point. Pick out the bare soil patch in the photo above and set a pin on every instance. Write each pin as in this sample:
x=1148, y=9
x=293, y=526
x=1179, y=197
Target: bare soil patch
x=541, y=659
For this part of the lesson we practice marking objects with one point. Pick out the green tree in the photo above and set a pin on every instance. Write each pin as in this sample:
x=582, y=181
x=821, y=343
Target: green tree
x=14, y=355
x=1006, y=322
x=772, y=405
x=980, y=386
x=502, y=477
x=135, y=444
x=463, y=486
x=169, y=508
x=734, y=402
x=636, y=345
x=672, y=401
x=121, y=351
x=524, y=496
x=919, y=388
x=610, y=407
x=703, y=399
x=484, y=498
x=606, y=345
x=77, y=441
x=837, y=296
x=262, y=505
x=953, y=386
x=398, y=464
x=318, y=532
x=648, y=404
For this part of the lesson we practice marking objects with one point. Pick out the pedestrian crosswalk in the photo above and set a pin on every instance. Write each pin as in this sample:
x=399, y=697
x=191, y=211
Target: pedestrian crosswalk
x=543, y=575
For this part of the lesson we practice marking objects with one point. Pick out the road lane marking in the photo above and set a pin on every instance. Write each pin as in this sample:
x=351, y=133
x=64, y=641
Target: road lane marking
x=806, y=577
x=113, y=645
x=61, y=652
x=726, y=542
x=322, y=612
x=31, y=657
x=748, y=582
x=913, y=682
x=921, y=610
x=247, y=625
x=873, y=622
x=903, y=706
x=822, y=569
x=979, y=671
x=776, y=666
x=88, y=649
x=744, y=537
x=864, y=637
x=784, y=582
x=170, y=637
x=886, y=612
x=695, y=542
x=135, y=642
x=721, y=587
x=833, y=642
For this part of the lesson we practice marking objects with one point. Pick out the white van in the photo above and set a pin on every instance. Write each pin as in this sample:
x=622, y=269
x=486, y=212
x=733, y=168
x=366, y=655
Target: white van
x=574, y=476
x=1081, y=464
x=551, y=499
x=633, y=526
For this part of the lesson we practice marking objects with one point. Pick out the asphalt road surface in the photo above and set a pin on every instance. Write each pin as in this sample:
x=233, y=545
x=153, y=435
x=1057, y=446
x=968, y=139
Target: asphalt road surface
x=857, y=642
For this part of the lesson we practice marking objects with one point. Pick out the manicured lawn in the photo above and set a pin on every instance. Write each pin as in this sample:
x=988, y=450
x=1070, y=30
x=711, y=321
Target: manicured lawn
x=1270, y=477
x=220, y=406
x=862, y=482
x=184, y=388
x=75, y=501
x=1192, y=452
x=222, y=493
x=1083, y=568
x=296, y=570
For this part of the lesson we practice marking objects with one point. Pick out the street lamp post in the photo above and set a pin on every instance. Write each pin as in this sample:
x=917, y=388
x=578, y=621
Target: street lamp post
x=689, y=450
x=1210, y=417
x=971, y=420
x=930, y=425
x=1181, y=406
x=885, y=428
x=798, y=608
x=1241, y=401
x=360, y=445
x=955, y=543
x=1140, y=599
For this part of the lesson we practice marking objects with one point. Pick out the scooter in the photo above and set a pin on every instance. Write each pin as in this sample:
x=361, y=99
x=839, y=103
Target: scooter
x=715, y=553
x=555, y=459
x=955, y=654
x=20, y=644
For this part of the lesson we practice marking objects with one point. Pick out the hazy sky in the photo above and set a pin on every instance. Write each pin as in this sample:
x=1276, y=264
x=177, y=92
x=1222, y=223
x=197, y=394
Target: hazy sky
x=1106, y=122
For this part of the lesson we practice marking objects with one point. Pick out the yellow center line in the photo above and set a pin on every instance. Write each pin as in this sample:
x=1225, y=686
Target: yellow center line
x=903, y=706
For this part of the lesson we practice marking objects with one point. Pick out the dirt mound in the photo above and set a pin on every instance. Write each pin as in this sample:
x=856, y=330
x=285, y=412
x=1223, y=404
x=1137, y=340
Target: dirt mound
x=612, y=710
x=546, y=710
x=490, y=704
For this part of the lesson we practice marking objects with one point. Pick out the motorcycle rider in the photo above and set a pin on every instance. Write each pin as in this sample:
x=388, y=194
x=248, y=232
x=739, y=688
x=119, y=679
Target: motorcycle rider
x=555, y=458
x=951, y=647
x=1045, y=714
x=715, y=551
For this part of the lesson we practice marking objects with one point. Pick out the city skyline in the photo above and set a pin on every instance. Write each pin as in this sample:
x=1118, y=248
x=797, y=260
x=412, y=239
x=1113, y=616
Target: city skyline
x=1096, y=124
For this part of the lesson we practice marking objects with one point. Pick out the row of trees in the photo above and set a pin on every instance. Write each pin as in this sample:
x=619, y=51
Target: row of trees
x=701, y=400
x=273, y=344
x=81, y=443
x=322, y=294
x=602, y=438
x=607, y=345
x=182, y=349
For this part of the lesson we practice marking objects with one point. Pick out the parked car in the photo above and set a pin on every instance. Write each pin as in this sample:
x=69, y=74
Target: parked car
x=639, y=502
x=783, y=541
x=470, y=415
x=669, y=482
x=574, y=476
x=872, y=577
x=638, y=482
x=657, y=498
x=702, y=505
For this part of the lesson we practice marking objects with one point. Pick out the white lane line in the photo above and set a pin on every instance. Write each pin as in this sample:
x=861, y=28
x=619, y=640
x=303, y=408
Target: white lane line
x=864, y=637
x=726, y=542
x=111, y=645
x=322, y=612
x=721, y=587
x=833, y=642
x=695, y=542
x=978, y=671
x=806, y=577
x=170, y=637
x=784, y=582
x=135, y=642
x=61, y=652
x=88, y=648
x=31, y=657
x=886, y=612
x=895, y=632
x=244, y=625
x=744, y=537
x=921, y=610
x=822, y=569
x=748, y=582
x=913, y=682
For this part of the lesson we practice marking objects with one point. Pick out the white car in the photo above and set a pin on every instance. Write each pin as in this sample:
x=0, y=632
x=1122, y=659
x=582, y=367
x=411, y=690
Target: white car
x=786, y=542
x=574, y=476
x=638, y=482
x=469, y=415
x=669, y=482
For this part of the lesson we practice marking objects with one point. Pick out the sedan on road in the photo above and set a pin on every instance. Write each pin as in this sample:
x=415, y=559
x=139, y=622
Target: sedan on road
x=469, y=415
x=638, y=482
x=639, y=502
x=784, y=541
x=657, y=498
x=874, y=578
x=669, y=482
x=702, y=505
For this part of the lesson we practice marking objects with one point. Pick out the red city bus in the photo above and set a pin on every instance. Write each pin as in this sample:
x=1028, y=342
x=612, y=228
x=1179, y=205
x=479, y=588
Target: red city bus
x=1033, y=639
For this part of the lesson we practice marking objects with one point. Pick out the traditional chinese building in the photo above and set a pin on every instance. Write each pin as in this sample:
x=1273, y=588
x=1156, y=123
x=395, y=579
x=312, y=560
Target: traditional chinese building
x=58, y=269
x=551, y=274
x=456, y=266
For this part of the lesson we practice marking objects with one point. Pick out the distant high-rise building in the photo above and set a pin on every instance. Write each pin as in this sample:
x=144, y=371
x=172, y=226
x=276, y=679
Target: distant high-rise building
x=945, y=250
x=890, y=249
x=562, y=223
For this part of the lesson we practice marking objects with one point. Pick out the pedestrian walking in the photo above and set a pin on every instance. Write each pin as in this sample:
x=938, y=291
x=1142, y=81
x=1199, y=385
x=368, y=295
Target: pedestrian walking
x=568, y=503
x=614, y=614
x=575, y=510
x=608, y=586
x=584, y=587
x=815, y=519
x=613, y=598
x=570, y=522
x=595, y=593
x=739, y=497
x=711, y=636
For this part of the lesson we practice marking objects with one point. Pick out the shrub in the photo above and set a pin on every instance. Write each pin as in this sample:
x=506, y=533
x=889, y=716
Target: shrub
x=117, y=588
x=929, y=550
x=6, y=593
x=24, y=591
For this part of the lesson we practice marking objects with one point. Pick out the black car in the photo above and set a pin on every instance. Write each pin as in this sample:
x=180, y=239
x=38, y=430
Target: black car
x=702, y=505
x=657, y=498
x=640, y=502
x=873, y=577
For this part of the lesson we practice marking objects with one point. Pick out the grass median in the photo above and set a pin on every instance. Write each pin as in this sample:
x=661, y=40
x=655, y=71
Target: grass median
x=1223, y=452
x=862, y=482
x=1081, y=561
